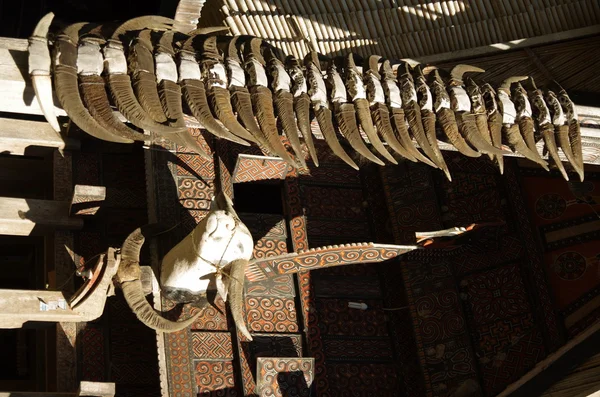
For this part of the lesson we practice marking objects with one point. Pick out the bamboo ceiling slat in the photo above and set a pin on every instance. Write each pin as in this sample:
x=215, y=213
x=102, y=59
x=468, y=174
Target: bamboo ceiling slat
x=395, y=28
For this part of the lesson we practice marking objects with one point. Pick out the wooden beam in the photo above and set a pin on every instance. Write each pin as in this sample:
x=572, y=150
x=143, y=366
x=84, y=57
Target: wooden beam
x=87, y=199
x=20, y=217
x=98, y=389
x=557, y=365
x=17, y=92
x=506, y=46
x=86, y=388
x=20, y=306
x=20, y=137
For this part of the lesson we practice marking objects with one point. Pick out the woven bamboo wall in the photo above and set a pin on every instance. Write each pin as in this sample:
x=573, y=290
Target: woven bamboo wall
x=400, y=28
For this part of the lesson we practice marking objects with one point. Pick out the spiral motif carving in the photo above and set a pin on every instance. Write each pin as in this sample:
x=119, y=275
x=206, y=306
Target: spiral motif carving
x=299, y=238
x=265, y=248
x=214, y=376
x=271, y=314
x=284, y=376
x=195, y=194
x=345, y=255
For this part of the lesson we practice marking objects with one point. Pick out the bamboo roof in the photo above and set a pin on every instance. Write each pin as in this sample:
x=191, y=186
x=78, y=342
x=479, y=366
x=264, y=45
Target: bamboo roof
x=573, y=63
x=399, y=28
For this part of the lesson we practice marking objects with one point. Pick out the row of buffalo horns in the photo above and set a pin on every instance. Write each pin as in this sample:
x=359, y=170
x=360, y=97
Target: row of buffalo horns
x=242, y=89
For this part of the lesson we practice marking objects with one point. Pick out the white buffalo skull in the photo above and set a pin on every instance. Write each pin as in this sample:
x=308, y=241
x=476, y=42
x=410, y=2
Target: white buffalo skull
x=213, y=256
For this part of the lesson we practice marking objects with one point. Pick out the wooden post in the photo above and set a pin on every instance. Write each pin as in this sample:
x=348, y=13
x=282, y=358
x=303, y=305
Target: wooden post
x=20, y=306
x=19, y=217
x=86, y=199
x=86, y=388
x=19, y=137
x=18, y=95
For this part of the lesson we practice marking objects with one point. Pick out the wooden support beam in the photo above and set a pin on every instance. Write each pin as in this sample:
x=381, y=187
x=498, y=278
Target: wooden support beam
x=20, y=306
x=86, y=199
x=99, y=389
x=20, y=137
x=86, y=388
x=18, y=95
x=252, y=168
x=557, y=365
x=22, y=217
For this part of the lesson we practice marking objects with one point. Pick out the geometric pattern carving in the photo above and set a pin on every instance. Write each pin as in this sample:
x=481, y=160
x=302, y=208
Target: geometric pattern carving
x=179, y=363
x=362, y=379
x=496, y=294
x=212, y=345
x=355, y=348
x=213, y=317
x=277, y=286
x=195, y=193
x=91, y=342
x=318, y=258
x=271, y=314
x=330, y=202
x=533, y=269
x=268, y=247
x=278, y=377
x=250, y=168
x=194, y=165
x=366, y=287
x=215, y=378
x=336, y=319
x=275, y=345
x=508, y=365
x=328, y=174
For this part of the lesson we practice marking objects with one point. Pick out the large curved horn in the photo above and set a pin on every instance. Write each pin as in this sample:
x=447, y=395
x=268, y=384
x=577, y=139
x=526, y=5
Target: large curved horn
x=550, y=142
x=302, y=110
x=447, y=121
x=324, y=118
x=128, y=275
x=154, y=22
x=510, y=81
x=194, y=93
x=373, y=64
x=39, y=69
x=67, y=89
x=355, y=86
x=345, y=116
x=458, y=71
x=236, y=295
x=141, y=66
x=169, y=92
x=284, y=106
x=217, y=93
x=119, y=81
x=428, y=120
x=301, y=104
x=252, y=48
x=209, y=30
x=284, y=101
x=90, y=65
